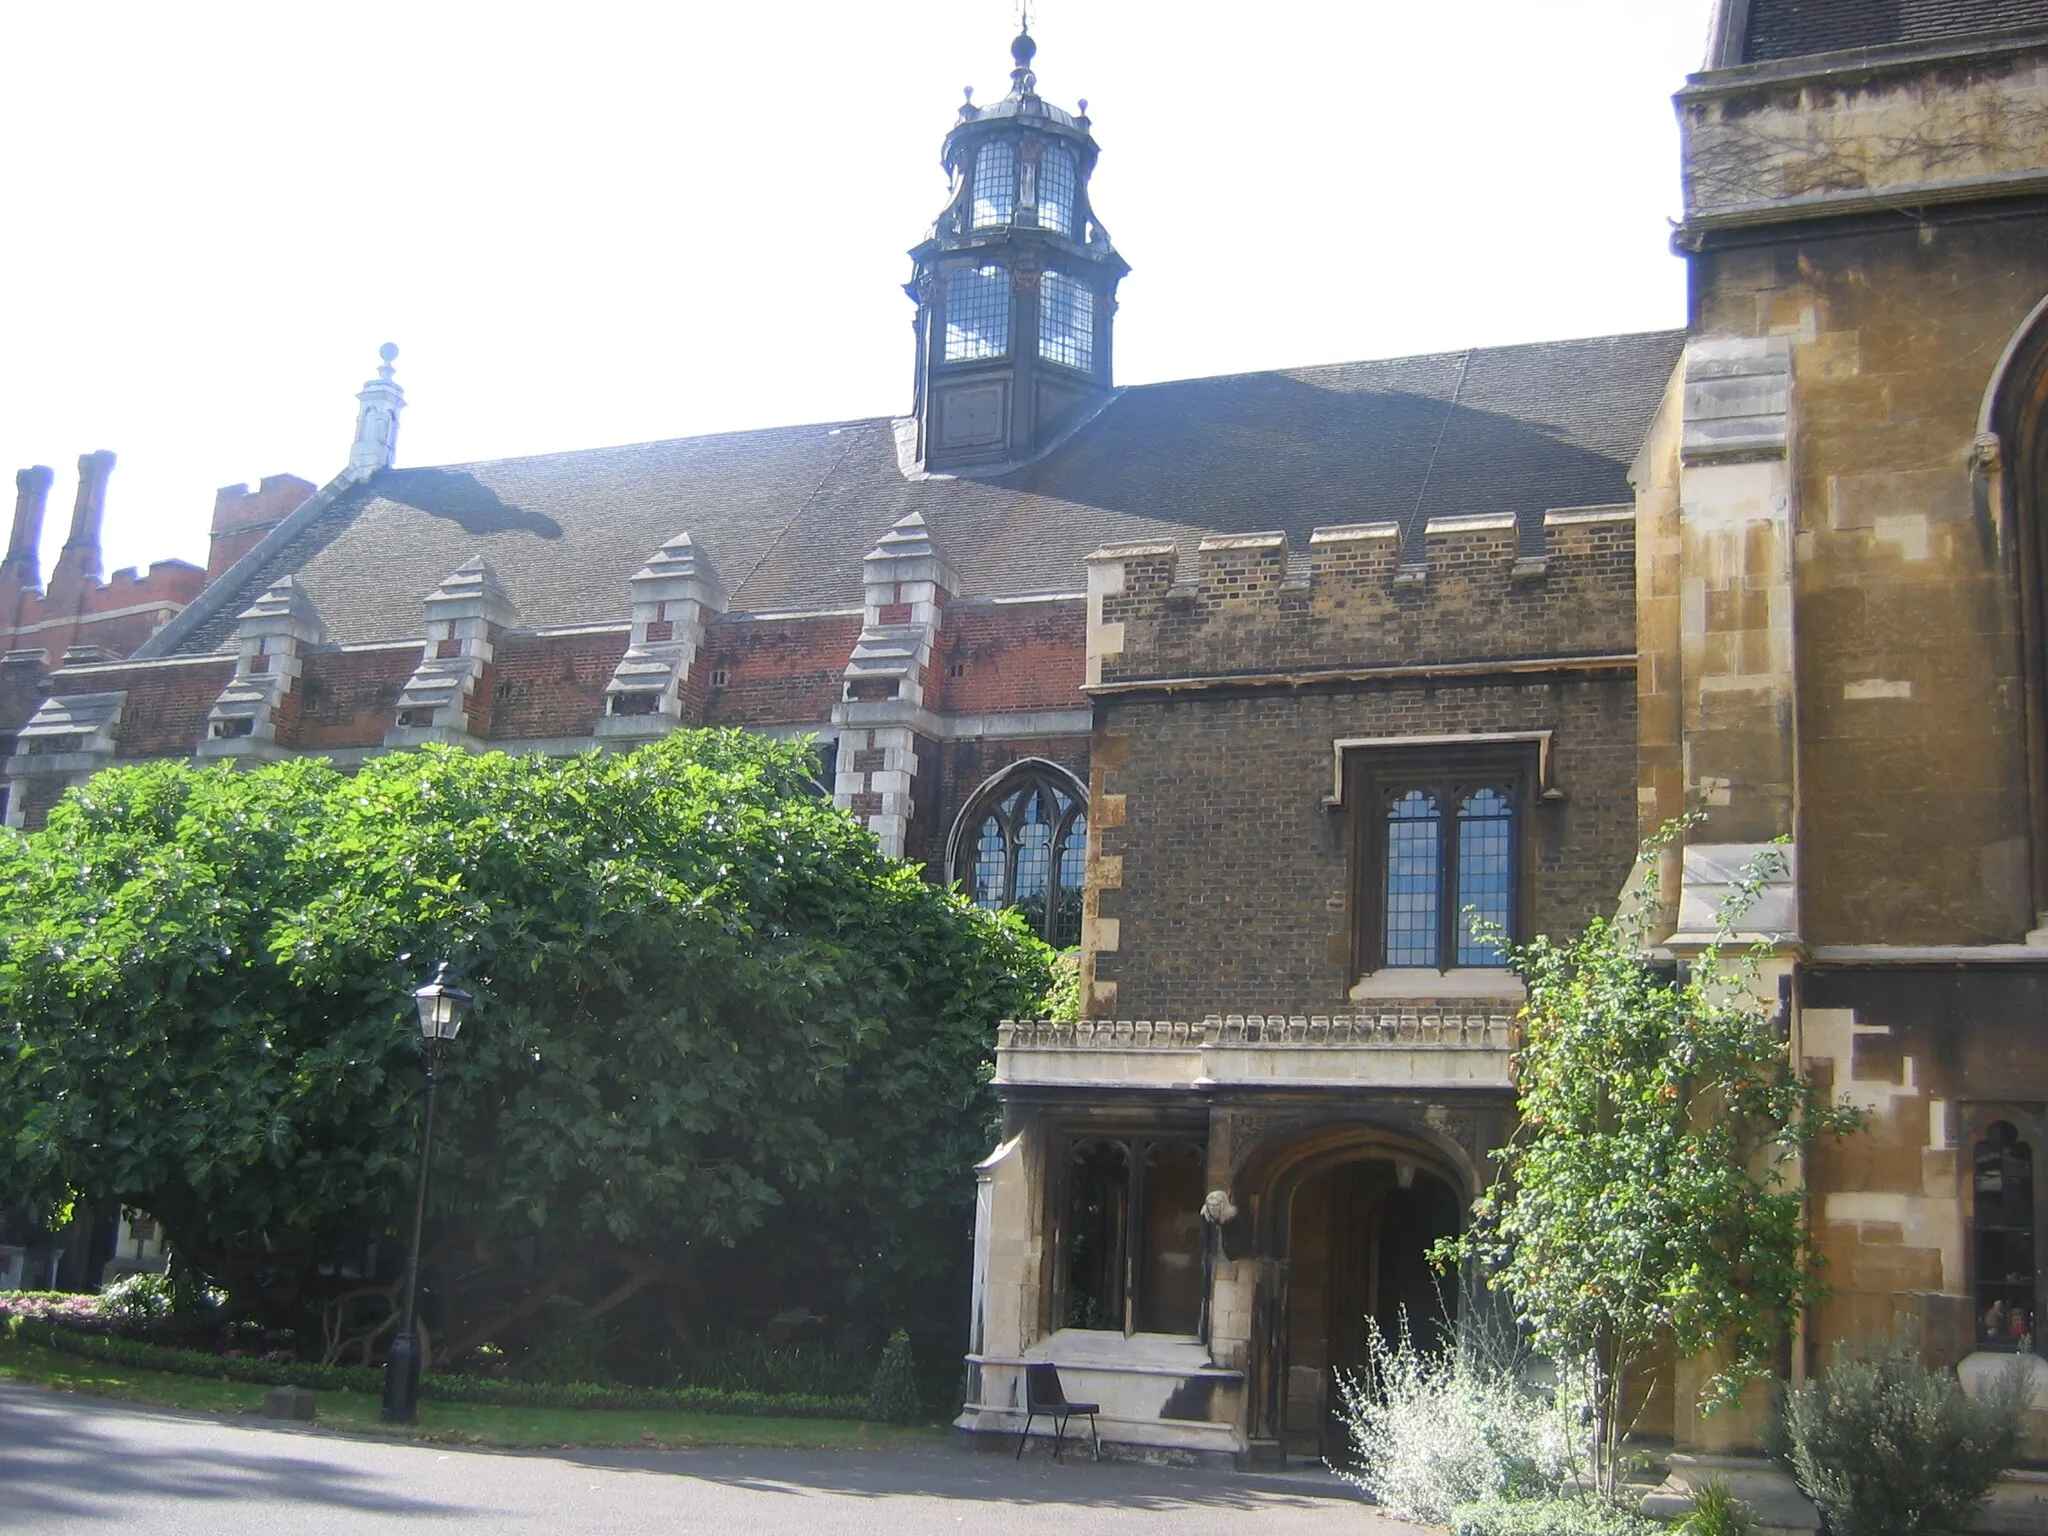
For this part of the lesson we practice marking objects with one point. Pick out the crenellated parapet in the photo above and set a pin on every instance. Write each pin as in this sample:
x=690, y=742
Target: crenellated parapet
x=1443, y=1046
x=1249, y=606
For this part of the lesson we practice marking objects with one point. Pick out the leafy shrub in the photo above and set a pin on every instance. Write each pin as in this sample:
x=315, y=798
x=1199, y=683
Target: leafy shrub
x=1062, y=1000
x=138, y=1300
x=137, y=1355
x=1886, y=1447
x=746, y=1362
x=72, y=1311
x=1548, y=1517
x=893, y=1396
x=570, y=1351
x=1432, y=1430
x=1717, y=1512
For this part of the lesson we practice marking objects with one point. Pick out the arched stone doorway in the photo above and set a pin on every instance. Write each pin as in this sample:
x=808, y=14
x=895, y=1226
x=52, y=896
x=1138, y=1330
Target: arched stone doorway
x=1359, y=1236
x=1339, y=1222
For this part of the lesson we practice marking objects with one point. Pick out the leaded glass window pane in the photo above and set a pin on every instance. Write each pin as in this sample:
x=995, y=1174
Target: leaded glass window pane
x=1414, y=879
x=1056, y=190
x=1066, y=321
x=1030, y=852
x=991, y=865
x=2004, y=1236
x=995, y=184
x=1485, y=873
x=977, y=314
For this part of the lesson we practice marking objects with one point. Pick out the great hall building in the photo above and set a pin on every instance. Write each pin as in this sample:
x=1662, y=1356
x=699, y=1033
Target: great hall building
x=1253, y=686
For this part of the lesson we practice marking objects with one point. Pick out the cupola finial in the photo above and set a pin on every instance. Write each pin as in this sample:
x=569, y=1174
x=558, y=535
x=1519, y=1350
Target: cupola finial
x=377, y=408
x=1022, y=51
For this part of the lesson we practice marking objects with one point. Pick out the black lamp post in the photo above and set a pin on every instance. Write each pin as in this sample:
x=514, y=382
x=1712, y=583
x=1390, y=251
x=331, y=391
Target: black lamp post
x=442, y=1006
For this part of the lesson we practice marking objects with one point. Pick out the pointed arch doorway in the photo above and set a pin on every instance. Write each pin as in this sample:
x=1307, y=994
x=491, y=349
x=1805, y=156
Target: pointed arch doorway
x=1354, y=1228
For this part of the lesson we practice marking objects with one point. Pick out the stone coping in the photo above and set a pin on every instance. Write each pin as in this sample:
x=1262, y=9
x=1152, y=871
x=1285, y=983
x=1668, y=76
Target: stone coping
x=1444, y=1026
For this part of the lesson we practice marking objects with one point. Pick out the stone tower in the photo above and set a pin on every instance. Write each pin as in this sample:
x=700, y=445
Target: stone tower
x=1015, y=284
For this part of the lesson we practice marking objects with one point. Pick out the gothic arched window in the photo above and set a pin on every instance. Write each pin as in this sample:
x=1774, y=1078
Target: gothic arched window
x=1056, y=191
x=1066, y=321
x=977, y=314
x=995, y=183
x=1025, y=845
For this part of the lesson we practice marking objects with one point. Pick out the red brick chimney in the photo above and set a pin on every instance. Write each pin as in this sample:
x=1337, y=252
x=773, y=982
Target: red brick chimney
x=23, y=566
x=78, y=563
x=242, y=517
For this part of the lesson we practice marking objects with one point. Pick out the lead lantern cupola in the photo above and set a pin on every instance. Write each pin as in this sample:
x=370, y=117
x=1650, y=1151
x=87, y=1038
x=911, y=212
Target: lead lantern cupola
x=1015, y=285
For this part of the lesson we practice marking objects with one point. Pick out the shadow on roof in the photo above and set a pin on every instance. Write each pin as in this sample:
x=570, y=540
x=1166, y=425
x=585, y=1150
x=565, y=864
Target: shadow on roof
x=461, y=498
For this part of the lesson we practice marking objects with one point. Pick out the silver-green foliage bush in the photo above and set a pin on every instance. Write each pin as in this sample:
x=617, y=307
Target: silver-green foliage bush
x=135, y=1301
x=1434, y=1429
x=1886, y=1447
x=1549, y=1517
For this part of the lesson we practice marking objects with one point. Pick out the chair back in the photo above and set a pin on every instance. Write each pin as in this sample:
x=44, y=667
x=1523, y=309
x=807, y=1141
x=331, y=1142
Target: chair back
x=1042, y=1387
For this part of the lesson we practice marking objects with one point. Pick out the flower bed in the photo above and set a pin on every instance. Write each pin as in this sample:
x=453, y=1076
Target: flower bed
x=55, y=1333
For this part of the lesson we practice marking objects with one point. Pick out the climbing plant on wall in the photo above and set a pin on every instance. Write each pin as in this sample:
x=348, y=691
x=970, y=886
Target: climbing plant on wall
x=1651, y=1192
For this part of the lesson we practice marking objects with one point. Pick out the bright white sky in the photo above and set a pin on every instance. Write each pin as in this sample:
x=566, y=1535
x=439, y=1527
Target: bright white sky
x=609, y=222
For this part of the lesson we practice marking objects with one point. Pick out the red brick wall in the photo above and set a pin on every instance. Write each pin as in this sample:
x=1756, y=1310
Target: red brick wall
x=350, y=698
x=75, y=614
x=1013, y=656
x=165, y=715
x=777, y=671
x=550, y=685
x=241, y=517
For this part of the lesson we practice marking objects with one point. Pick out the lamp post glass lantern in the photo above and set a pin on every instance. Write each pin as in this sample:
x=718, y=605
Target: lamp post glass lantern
x=442, y=1007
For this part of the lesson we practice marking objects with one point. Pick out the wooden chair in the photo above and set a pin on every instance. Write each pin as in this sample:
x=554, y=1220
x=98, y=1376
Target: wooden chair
x=1044, y=1395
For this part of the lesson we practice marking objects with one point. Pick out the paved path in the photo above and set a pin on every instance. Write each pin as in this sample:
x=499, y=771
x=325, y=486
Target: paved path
x=72, y=1464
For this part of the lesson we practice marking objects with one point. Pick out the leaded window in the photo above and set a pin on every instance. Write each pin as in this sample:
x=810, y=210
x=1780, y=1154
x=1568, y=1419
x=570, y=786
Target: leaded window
x=2003, y=1169
x=1066, y=321
x=1027, y=847
x=995, y=184
x=977, y=314
x=1437, y=855
x=1056, y=190
x=1133, y=1237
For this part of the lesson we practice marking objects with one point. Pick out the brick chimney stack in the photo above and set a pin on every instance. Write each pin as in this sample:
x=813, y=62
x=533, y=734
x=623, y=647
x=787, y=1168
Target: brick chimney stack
x=23, y=565
x=80, y=557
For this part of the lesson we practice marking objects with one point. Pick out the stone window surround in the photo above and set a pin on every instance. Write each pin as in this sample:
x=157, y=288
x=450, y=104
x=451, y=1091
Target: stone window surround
x=1528, y=754
x=1976, y=1120
x=1137, y=1141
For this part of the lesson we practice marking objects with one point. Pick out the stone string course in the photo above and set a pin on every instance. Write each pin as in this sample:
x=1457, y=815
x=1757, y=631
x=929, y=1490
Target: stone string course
x=1404, y=1028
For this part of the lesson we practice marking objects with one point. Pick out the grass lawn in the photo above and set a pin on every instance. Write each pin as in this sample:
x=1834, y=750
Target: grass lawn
x=462, y=1423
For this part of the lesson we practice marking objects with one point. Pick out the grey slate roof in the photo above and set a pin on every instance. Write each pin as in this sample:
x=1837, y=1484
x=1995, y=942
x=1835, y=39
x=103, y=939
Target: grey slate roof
x=787, y=514
x=1787, y=29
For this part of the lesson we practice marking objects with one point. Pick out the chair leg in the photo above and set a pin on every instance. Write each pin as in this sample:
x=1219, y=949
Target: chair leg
x=1024, y=1435
x=1094, y=1440
x=1059, y=1437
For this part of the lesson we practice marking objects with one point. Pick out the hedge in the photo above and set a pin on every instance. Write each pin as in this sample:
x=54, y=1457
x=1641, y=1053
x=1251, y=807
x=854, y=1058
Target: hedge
x=137, y=1354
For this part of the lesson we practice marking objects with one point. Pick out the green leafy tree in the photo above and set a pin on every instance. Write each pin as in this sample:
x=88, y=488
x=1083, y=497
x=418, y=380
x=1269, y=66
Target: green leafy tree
x=710, y=1012
x=1651, y=1191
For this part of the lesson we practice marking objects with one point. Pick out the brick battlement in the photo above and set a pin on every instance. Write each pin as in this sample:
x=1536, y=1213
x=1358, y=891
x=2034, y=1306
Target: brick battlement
x=1247, y=604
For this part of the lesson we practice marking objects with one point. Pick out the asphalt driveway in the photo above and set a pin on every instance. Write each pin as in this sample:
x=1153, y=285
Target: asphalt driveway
x=73, y=1464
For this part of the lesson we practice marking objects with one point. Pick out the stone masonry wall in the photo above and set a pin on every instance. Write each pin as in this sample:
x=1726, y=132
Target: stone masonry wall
x=1231, y=877
x=1910, y=727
